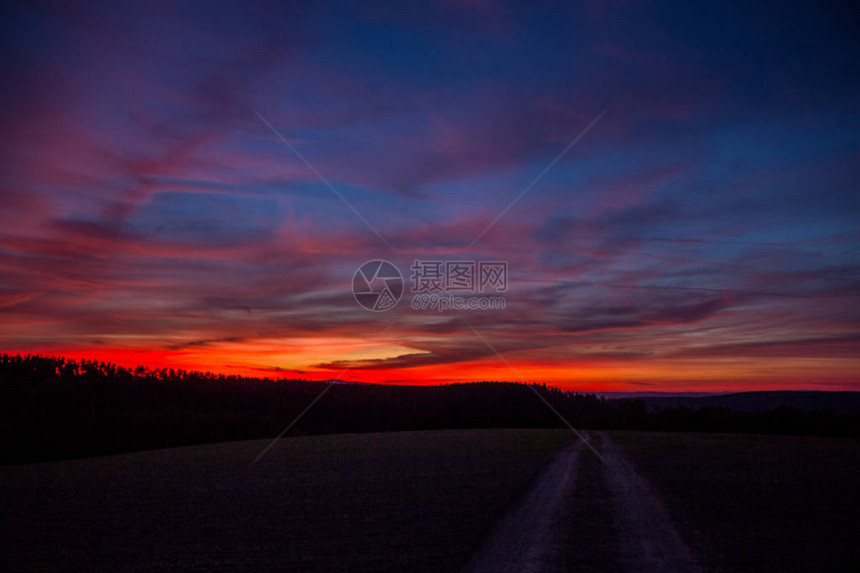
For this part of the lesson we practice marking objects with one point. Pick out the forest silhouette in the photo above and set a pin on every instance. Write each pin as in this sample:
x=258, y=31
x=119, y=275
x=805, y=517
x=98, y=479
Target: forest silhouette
x=57, y=408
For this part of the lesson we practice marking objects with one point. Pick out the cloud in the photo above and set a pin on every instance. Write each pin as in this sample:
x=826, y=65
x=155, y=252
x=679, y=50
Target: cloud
x=144, y=208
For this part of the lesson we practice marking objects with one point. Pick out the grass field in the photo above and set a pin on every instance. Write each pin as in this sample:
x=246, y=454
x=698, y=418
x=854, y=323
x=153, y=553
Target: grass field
x=425, y=501
x=411, y=501
x=757, y=503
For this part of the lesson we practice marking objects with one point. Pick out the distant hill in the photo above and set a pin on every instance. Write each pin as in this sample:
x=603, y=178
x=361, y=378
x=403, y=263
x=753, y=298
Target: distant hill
x=805, y=401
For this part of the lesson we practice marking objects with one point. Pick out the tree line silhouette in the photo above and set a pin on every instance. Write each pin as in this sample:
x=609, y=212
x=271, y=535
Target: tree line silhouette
x=57, y=408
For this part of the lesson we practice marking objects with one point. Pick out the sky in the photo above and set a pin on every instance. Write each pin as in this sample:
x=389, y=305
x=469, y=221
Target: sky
x=673, y=186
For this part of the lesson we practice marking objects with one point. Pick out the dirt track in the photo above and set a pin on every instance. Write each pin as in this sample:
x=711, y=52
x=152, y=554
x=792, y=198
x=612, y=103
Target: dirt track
x=524, y=541
x=539, y=533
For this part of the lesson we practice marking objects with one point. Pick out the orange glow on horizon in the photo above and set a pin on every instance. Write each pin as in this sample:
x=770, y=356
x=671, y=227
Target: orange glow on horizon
x=671, y=375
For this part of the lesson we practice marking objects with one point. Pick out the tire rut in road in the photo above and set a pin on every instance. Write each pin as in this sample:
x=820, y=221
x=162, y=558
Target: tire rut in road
x=648, y=539
x=524, y=540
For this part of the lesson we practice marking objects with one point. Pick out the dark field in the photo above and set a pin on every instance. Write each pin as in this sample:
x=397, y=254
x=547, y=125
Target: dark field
x=756, y=503
x=425, y=501
x=411, y=501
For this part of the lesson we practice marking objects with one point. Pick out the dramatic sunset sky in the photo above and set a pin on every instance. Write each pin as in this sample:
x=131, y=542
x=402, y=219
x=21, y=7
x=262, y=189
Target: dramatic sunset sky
x=702, y=235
